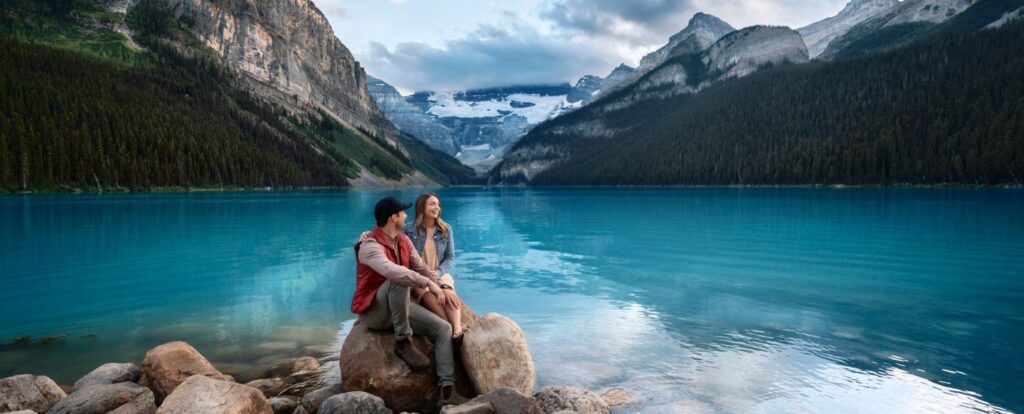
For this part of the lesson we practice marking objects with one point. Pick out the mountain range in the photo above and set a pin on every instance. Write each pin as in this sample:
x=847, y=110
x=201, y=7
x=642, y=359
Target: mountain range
x=908, y=109
x=145, y=94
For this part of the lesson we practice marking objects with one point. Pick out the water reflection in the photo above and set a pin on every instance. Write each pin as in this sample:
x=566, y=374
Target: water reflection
x=696, y=300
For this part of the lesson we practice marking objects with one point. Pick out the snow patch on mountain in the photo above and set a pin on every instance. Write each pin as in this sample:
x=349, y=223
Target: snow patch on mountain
x=535, y=108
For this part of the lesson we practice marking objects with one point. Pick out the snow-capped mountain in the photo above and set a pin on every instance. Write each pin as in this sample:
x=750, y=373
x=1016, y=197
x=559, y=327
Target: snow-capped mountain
x=818, y=35
x=702, y=31
x=476, y=126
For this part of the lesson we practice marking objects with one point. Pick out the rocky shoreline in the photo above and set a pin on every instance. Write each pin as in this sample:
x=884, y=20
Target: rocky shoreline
x=493, y=368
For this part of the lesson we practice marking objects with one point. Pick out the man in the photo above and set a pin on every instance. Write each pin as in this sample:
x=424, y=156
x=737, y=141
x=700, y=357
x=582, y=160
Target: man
x=387, y=268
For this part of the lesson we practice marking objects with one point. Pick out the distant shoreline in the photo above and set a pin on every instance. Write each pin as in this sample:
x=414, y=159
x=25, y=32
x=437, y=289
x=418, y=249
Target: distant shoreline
x=179, y=190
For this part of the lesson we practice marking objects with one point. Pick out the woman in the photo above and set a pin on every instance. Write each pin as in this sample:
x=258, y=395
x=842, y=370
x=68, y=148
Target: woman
x=432, y=238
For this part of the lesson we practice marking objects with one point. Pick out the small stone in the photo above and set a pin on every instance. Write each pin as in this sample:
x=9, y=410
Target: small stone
x=29, y=392
x=270, y=387
x=509, y=401
x=284, y=404
x=305, y=364
x=111, y=373
x=553, y=399
x=313, y=399
x=353, y=402
x=472, y=407
x=616, y=396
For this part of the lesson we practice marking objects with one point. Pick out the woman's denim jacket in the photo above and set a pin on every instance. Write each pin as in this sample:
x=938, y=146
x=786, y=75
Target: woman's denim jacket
x=445, y=246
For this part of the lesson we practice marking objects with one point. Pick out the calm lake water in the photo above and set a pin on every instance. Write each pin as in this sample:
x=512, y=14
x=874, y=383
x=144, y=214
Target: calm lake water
x=696, y=300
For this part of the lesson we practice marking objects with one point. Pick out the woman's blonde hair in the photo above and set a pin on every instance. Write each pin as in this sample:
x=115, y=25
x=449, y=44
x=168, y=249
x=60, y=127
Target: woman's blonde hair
x=421, y=210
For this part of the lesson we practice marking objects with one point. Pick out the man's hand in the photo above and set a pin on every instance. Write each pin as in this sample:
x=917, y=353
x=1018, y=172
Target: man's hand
x=451, y=299
x=438, y=292
x=365, y=235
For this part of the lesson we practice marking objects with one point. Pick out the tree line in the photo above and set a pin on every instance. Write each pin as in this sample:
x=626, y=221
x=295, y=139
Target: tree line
x=944, y=109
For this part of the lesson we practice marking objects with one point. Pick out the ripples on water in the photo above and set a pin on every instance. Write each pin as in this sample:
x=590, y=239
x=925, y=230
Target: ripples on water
x=696, y=300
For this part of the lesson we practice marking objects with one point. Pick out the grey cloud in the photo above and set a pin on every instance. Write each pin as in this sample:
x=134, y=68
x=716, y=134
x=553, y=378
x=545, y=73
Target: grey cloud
x=487, y=57
x=646, y=21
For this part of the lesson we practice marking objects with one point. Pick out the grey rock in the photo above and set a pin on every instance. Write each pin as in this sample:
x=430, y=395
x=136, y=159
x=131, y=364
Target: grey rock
x=120, y=398
x=554, y=399
x=472, y=407
x=819, y=34
x=111, y=373
x=509, y=401
x=29, y=392
x=285, y=404
x=356, y=402
x=313, y=399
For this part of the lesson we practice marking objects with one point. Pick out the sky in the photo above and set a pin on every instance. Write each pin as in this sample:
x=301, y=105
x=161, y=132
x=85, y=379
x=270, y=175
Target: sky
x=450, y=45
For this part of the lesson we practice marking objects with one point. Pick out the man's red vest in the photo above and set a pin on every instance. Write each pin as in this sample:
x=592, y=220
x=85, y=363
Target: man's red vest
x=367, y=279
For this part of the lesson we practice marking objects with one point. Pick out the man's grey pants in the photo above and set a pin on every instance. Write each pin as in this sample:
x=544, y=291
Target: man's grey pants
x=392, y=307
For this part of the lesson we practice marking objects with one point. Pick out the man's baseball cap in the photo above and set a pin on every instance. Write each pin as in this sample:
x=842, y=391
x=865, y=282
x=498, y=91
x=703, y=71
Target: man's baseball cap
x=386, y=207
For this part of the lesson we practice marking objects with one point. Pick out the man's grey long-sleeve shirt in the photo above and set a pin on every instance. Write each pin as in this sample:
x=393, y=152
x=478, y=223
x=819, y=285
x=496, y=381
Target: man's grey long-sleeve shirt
x=371, y=253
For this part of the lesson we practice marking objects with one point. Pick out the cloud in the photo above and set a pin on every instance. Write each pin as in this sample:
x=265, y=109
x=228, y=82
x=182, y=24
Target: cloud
x=489, y=56
x=639, y=22
x=332, y=8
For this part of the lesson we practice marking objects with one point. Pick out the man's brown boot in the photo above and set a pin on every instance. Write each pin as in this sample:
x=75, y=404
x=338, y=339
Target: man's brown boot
x=449, y=396
x=412, y=356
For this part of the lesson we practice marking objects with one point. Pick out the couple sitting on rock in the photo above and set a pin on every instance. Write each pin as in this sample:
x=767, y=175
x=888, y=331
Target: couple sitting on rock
x=402, y=282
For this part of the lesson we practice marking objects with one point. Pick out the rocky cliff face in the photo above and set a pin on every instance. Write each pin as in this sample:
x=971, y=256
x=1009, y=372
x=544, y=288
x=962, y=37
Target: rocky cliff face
x=741, y=53
x=410, y=118
x=289, y=46
x=906, y=12
x=589, y=87
x=818, y=35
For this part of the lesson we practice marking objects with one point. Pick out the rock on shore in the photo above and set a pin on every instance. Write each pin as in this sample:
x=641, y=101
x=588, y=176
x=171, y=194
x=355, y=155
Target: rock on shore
x=368, y=364
x=496, y=355
x=168, y=365
x=201, y=394
x=29, y=392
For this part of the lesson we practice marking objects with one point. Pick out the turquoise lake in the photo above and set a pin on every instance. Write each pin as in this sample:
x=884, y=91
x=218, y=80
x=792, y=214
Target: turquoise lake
x=697, y=300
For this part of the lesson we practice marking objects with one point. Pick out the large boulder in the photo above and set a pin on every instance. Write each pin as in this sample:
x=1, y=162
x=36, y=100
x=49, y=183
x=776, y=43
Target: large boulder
x=201, y=394
x=111, y=373
x=496, y=355
x=168, y=365
x=507, y=401
x=119, y=398
x=368, y=364
x=29, y=392
x=554, y=399
x=353, y=402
